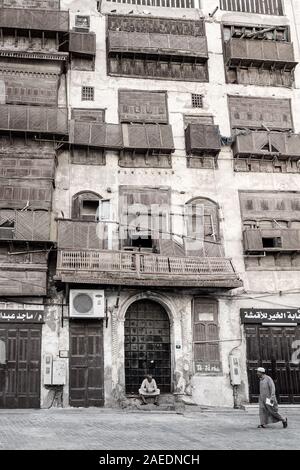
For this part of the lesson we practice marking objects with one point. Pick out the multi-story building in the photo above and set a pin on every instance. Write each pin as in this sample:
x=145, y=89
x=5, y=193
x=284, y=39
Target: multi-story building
x=149, y=199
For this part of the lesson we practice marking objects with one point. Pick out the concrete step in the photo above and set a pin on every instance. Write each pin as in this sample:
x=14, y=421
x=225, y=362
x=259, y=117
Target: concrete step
x=166, y=403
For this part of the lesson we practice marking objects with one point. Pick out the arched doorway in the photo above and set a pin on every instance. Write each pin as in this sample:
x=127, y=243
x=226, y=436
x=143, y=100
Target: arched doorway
x=147, y=345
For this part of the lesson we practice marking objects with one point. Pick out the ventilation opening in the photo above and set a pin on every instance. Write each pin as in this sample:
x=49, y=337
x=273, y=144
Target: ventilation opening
x=142, y=242
x=89, y=210
x=270, y=148
x=197, y=101
x=272, y=242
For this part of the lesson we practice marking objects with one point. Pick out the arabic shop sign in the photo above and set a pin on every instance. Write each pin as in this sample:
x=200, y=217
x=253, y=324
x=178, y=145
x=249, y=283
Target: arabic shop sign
x=21, y=316
x=270, y=315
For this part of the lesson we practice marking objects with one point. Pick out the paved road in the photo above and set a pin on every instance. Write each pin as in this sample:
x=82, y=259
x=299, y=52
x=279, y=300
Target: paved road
x=102, y=429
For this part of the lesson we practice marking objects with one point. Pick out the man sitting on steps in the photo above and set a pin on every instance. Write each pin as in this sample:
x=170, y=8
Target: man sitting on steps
x=149, y=389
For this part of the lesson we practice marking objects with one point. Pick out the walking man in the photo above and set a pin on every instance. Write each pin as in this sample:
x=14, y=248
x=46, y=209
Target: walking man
x=268, y=406
x=149, y=389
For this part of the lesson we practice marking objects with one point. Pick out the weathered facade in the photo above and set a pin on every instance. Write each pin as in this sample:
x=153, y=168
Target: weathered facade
x=149, y=200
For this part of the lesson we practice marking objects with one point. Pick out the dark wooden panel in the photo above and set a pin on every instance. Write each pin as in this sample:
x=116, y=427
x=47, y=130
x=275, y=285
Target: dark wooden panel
x=260, y=144
x=100, y=135
x=143, y=106
x=135, y=159
x=205, y=328
x=82, y=43
x=49, y=20
x=88, y=156
x=271, y=348
x=16, y=193
x=251, y=52
x=86, y=364
x=24, y=166
x=31, y=91
x=148, y=137
x=156, y=25
x=88, y=115
x=255, y=112
x=34, y=119
x=158, y=67
x=78, y=235
x=20, y=377
x=202, y=138
x=147, y=346
x=270, y=205
x=23, y=280
x=157, y=44
x=39, y=4
x=26, y=225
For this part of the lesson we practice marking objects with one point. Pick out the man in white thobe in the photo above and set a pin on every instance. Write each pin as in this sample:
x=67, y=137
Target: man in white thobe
x=149, y=389
x=268, y=406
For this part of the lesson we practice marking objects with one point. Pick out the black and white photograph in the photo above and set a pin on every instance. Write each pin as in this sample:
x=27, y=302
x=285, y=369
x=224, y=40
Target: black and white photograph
x=149, y=229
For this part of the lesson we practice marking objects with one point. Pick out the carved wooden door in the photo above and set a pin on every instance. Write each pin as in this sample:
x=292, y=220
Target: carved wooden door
x=86, y=364
x=275, y=349
x=147, y=346
x=20, y=376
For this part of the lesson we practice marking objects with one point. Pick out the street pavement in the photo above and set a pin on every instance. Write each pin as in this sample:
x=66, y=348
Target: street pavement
x=105, y=429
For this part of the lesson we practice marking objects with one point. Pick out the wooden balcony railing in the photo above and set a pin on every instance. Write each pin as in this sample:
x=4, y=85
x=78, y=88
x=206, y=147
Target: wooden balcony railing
x=120, y=267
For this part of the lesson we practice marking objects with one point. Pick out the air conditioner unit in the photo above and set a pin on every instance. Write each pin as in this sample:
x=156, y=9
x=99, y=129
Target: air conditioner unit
x=87, y=303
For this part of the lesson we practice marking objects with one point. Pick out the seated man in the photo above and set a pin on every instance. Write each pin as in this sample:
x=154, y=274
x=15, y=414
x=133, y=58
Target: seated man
x=149, y=389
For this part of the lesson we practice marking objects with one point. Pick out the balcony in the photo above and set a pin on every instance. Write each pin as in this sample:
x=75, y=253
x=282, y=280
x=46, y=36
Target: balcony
x=143, y=269
x=255, y=53
x=202, y=139
x=158, y=44
x=82, y=43
x=271, y=240
x=148, y=137
x=93, y=134
x=35, y=20
x=24, y=225
x=39, y=4
x=34, y=119
x=264, y=144
x=140, y=137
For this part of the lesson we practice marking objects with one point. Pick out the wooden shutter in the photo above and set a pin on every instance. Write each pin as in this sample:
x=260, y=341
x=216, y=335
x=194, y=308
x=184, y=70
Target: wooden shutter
x=82, y=43
x=253, y=240
x=290, y=239
x=205, y=329
x=77, y=235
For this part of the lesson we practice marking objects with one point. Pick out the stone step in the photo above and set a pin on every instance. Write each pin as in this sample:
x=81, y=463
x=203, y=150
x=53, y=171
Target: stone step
x=166, y=403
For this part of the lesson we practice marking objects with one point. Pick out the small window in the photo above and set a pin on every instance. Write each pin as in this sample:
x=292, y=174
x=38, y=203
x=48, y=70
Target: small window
x=264, y=204
x=295, y=204
x=87, y=93
x=85, y=206
x=82, y=23
x=272, y=242
x=197, y=101
x=89, y=209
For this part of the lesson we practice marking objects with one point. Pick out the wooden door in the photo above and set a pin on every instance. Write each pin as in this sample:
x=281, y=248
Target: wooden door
x=147, y=346
x=86, y=364
x=272, y=348
x=20, y=373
